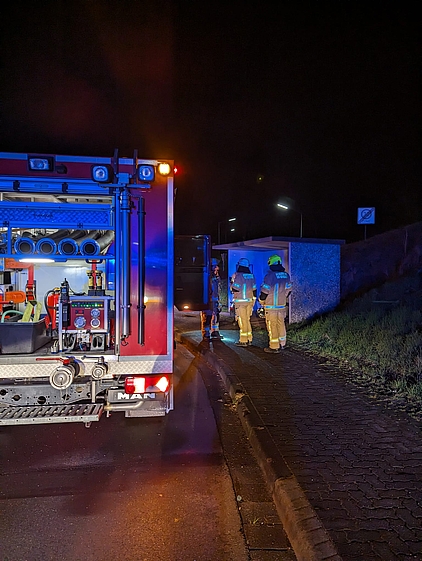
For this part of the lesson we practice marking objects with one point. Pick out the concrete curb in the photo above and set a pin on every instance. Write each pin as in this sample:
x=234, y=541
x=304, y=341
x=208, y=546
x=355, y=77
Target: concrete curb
x=305, y=531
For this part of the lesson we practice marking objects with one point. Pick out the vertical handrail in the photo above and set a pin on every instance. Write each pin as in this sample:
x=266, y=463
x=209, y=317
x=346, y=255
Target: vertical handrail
x=125, y=218
x=117, y=269
x=141, y=271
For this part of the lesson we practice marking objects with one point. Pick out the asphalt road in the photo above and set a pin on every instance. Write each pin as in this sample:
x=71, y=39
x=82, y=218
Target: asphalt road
x=124, y=489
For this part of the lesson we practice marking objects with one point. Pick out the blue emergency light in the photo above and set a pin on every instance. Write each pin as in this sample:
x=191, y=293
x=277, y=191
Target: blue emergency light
x=44, y=163
x=146, y=172
x=101, y=174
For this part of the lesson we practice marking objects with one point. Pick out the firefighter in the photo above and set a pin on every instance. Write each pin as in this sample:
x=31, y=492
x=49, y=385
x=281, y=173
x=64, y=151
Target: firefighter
x=210, y=319
x=274, y=291
x=243, y=288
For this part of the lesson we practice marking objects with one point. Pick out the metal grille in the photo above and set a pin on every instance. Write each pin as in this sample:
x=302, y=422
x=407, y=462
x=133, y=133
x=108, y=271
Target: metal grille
x=50, y=215
x=76, y=413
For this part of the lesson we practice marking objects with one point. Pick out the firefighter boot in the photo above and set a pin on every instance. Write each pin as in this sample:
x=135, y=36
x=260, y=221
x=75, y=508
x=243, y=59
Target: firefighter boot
x=273, y=351
x=216, y=335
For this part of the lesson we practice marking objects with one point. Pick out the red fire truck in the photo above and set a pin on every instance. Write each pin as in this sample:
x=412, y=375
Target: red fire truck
x=86, y=287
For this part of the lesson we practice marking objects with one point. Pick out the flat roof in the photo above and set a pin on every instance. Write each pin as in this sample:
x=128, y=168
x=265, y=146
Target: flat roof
x=274, y=242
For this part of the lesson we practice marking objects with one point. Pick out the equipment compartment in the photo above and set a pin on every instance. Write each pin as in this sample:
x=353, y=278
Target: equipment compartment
x=22, y=337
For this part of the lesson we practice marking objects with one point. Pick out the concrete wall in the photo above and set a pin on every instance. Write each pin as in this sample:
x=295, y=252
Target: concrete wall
x=315, y=274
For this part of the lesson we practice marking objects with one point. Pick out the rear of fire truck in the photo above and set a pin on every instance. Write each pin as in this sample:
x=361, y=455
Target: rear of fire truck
x=86, y=288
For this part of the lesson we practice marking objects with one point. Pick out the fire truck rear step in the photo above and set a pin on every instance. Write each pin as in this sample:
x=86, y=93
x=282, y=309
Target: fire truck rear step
x=82, y=413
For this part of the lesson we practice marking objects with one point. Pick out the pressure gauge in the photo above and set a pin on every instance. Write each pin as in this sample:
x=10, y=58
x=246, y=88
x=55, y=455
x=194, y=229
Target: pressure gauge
x=79, y=322
x=95, y=322
x=95, y=313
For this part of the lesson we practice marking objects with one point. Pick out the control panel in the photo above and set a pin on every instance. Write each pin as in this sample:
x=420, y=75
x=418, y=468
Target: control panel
x=90, y=313
x=84, y=323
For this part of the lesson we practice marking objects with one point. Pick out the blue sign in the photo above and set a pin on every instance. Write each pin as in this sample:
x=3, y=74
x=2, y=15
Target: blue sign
x=366, y=215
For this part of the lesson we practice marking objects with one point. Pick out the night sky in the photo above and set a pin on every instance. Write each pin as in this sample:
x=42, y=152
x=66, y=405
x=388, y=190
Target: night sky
x=321, y=100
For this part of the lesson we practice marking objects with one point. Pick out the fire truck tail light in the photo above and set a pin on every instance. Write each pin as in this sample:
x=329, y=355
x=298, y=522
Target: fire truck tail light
x=101, y=174
x=41, y=164
x=142, y=384
x=134, y=385
x=162, y=384
x=164, y=169
x=146, y=173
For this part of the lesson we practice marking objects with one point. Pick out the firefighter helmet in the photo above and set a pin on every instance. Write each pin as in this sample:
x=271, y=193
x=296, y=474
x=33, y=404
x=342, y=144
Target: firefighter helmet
x=214, y=262
x=243, y=262
x=274, y=260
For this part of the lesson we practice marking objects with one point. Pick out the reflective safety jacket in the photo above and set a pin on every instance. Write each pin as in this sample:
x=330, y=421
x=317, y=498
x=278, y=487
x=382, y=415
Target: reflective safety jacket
x=276, y=286
x=243, y=287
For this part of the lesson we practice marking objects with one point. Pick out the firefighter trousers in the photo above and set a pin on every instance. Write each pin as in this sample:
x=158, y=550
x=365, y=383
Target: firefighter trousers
x=210, y=321
x=243, y=312
x=276, y=327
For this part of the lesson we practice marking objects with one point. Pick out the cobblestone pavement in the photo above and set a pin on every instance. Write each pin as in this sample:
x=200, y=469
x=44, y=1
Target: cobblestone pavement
x=358, y=463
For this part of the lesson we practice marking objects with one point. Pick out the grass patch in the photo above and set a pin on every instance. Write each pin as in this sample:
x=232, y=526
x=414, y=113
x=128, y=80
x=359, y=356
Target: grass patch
x=378, y=336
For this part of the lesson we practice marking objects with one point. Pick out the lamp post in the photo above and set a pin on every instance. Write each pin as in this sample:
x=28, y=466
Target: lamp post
x=219, y=228
x=285, y=207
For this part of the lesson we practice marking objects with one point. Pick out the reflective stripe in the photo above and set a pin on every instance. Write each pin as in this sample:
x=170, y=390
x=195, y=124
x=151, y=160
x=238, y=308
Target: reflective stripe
x=276, y=287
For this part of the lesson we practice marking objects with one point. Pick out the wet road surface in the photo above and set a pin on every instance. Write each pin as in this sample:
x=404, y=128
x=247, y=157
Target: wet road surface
x=124, y=489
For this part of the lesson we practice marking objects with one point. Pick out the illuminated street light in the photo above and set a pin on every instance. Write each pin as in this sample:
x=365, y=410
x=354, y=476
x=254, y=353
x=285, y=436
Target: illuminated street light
x=285, y=207
x=219, y=227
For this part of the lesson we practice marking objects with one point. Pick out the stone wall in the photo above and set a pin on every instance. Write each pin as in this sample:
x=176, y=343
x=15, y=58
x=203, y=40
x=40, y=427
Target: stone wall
x=369, y=263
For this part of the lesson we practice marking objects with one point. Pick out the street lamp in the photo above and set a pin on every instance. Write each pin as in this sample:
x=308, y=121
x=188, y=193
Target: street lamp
x=285, y=207
x=219, y=227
